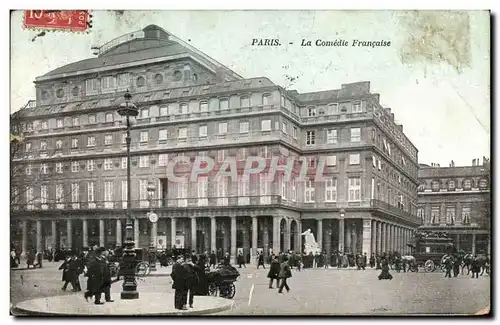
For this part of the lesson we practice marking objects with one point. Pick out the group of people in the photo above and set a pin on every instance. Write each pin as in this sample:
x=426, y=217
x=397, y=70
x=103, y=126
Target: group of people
x=33, y=259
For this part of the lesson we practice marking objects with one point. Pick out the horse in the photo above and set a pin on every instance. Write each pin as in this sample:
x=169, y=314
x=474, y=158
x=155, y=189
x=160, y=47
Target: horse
x=467, y=262
x=483, y=261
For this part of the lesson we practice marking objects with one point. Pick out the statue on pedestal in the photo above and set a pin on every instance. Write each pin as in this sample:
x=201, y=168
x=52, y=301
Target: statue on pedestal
x=310, y=245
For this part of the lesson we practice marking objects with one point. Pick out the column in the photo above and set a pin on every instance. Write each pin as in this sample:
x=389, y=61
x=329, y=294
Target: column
x=39, y=245
x=118, y=233
x=489, y=246
x=136, y=233
x=101, y=233
x=85, y=233
x=457, y=240
x=246, y=238
x=396, y=239
x=265, y=238
x=400, y=239
x=354, y=243
x=348, y=236
x=213, y=234
x=276, y=234
x=391, y=238
x=473, y=244
x=154, y=234
x=25, y=236
x=54, y=235
x=69, y=233
x=341, y=235
x=298, y=246
x=374, y=236
x=367, y=237
x=327, y=240
x=173, y=231
x=286, y=239
x=255, y=229
x=233, y=239
x=379, y=237
x=384, y=236
x=320, y=234
x=193, y=235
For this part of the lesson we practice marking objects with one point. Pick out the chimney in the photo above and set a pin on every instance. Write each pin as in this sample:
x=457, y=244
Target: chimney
x=473, y=162
x=392, y=117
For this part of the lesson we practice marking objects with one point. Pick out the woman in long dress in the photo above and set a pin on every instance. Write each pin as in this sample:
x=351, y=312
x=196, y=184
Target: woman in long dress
x=385, y=275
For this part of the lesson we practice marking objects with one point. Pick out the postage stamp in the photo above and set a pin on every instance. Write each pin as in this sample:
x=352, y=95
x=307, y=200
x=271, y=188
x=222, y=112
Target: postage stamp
x=70, y=20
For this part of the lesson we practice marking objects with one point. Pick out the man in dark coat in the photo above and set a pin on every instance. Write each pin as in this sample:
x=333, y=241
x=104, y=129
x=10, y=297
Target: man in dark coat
x=241, y=260
x=226, y=260
x=260, y=260
x=274, y=272
x=178, y=275
x=372, y=261
x=66, y=275
x=285, y=273
x=95, y=278
x=106, y=277
x=475, y=267
x=213, y=259
x=191, y=281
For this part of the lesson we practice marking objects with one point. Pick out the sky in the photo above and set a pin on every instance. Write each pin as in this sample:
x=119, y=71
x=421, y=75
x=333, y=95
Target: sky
x=434, y=75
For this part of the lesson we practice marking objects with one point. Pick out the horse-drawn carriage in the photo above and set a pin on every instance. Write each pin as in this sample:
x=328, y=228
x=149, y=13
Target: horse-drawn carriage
x=221, y=281
x=428, y=251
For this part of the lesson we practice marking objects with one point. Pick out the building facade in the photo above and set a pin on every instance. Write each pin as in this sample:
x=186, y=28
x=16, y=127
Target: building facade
x=70, y=190
x=456, y=200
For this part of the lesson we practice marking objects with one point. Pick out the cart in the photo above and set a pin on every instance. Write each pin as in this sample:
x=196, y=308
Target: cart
x=221, y=281
x=429, y=250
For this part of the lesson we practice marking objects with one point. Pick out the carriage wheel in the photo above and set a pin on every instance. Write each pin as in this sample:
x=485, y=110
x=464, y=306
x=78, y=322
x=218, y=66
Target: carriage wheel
x=231, y=291
x=142, y=269
x=212, y=289
x=429, y=266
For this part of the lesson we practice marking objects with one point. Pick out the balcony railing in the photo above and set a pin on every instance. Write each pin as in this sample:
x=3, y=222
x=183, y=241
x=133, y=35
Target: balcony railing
x=386, y=207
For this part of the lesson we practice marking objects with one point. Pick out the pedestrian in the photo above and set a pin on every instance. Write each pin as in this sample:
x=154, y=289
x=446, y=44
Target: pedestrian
x=106, y=277
x=385, y=275
x=30, y=259
x=260, y=260
x=66, y=276
x=372, y=260
x=285, y=273
x=178, y=276
x=475, y=267
x=39, y=259
x=95, y=277
x=448, y=265
x=241, y=260
x=191, y=281
x=13, y=259
x=274, y=272
x=213, y=259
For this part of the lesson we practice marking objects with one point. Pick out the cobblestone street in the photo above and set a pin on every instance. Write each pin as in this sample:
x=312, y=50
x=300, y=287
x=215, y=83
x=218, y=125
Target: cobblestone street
x=319, y=291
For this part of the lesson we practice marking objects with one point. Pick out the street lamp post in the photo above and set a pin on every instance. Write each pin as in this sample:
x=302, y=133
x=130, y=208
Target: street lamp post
x=153, y=218
x=129, y=111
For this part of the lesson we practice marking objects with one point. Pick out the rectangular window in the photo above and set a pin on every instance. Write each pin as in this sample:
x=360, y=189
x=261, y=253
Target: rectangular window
x=123, y=79
x=355, y=134
x=75, y=167
x=356, y=107
x=466, y=215
x=354, y=159
x=59, y=123
x=74, y=143
x=311, y=111
x=242, y=154
x=124, y=162
x=43, y=145
x=124, y=193
x=108, y=164
x=163, y=159
x=58, y=144
x=223, y=128
x=108, y=82
x=45, y=125
x=264, y=189
x=164, y=110
x=44, y=169
x=202, y=186
x=91, y=141
x=354, y=189
x=310, y=138
x=109, y=117
x=311, y=162
x=59, y=168
x=331, y=161
x=29, y=196
x=331, y=136
x=265, y=152
x=43, y=194
x=76, y=121
x=28, y=170
x=333, y=109
x=221, y=155
x=203, y=107
x=243, y=189
x=450, y=215
x=244, y=127
x=309, y=192
x=202, y=133
x=294, y=132
x=245, y=101
x=108, y=139
x=108, y=191
x=145, y=113
x=75, y=192
x=331, y=190
x=27, y=147
x=143, y=193
x=224, y=104
x=266, y=99
x=90, y=165
x=162, y=135
x=265, y=125
x=92, y=119
x=221, y=191
x=284, y=127
x=182, y=133
x=374, y=161
x=144, y=161
x=59, y=193
x=294, y=189
x=435, y=215
x=144, y=136
x=283, y=187
x=90, y=192
x=124, y=137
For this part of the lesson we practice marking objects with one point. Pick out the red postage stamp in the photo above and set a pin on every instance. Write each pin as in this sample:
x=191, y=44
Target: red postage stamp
x=71, y=20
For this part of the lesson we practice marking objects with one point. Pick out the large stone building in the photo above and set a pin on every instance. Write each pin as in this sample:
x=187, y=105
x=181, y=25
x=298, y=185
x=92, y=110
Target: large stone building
x=72, y=188
x=456, y=200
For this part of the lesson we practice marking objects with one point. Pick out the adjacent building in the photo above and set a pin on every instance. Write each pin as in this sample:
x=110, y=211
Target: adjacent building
x=70, y=190
x=457, y=201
